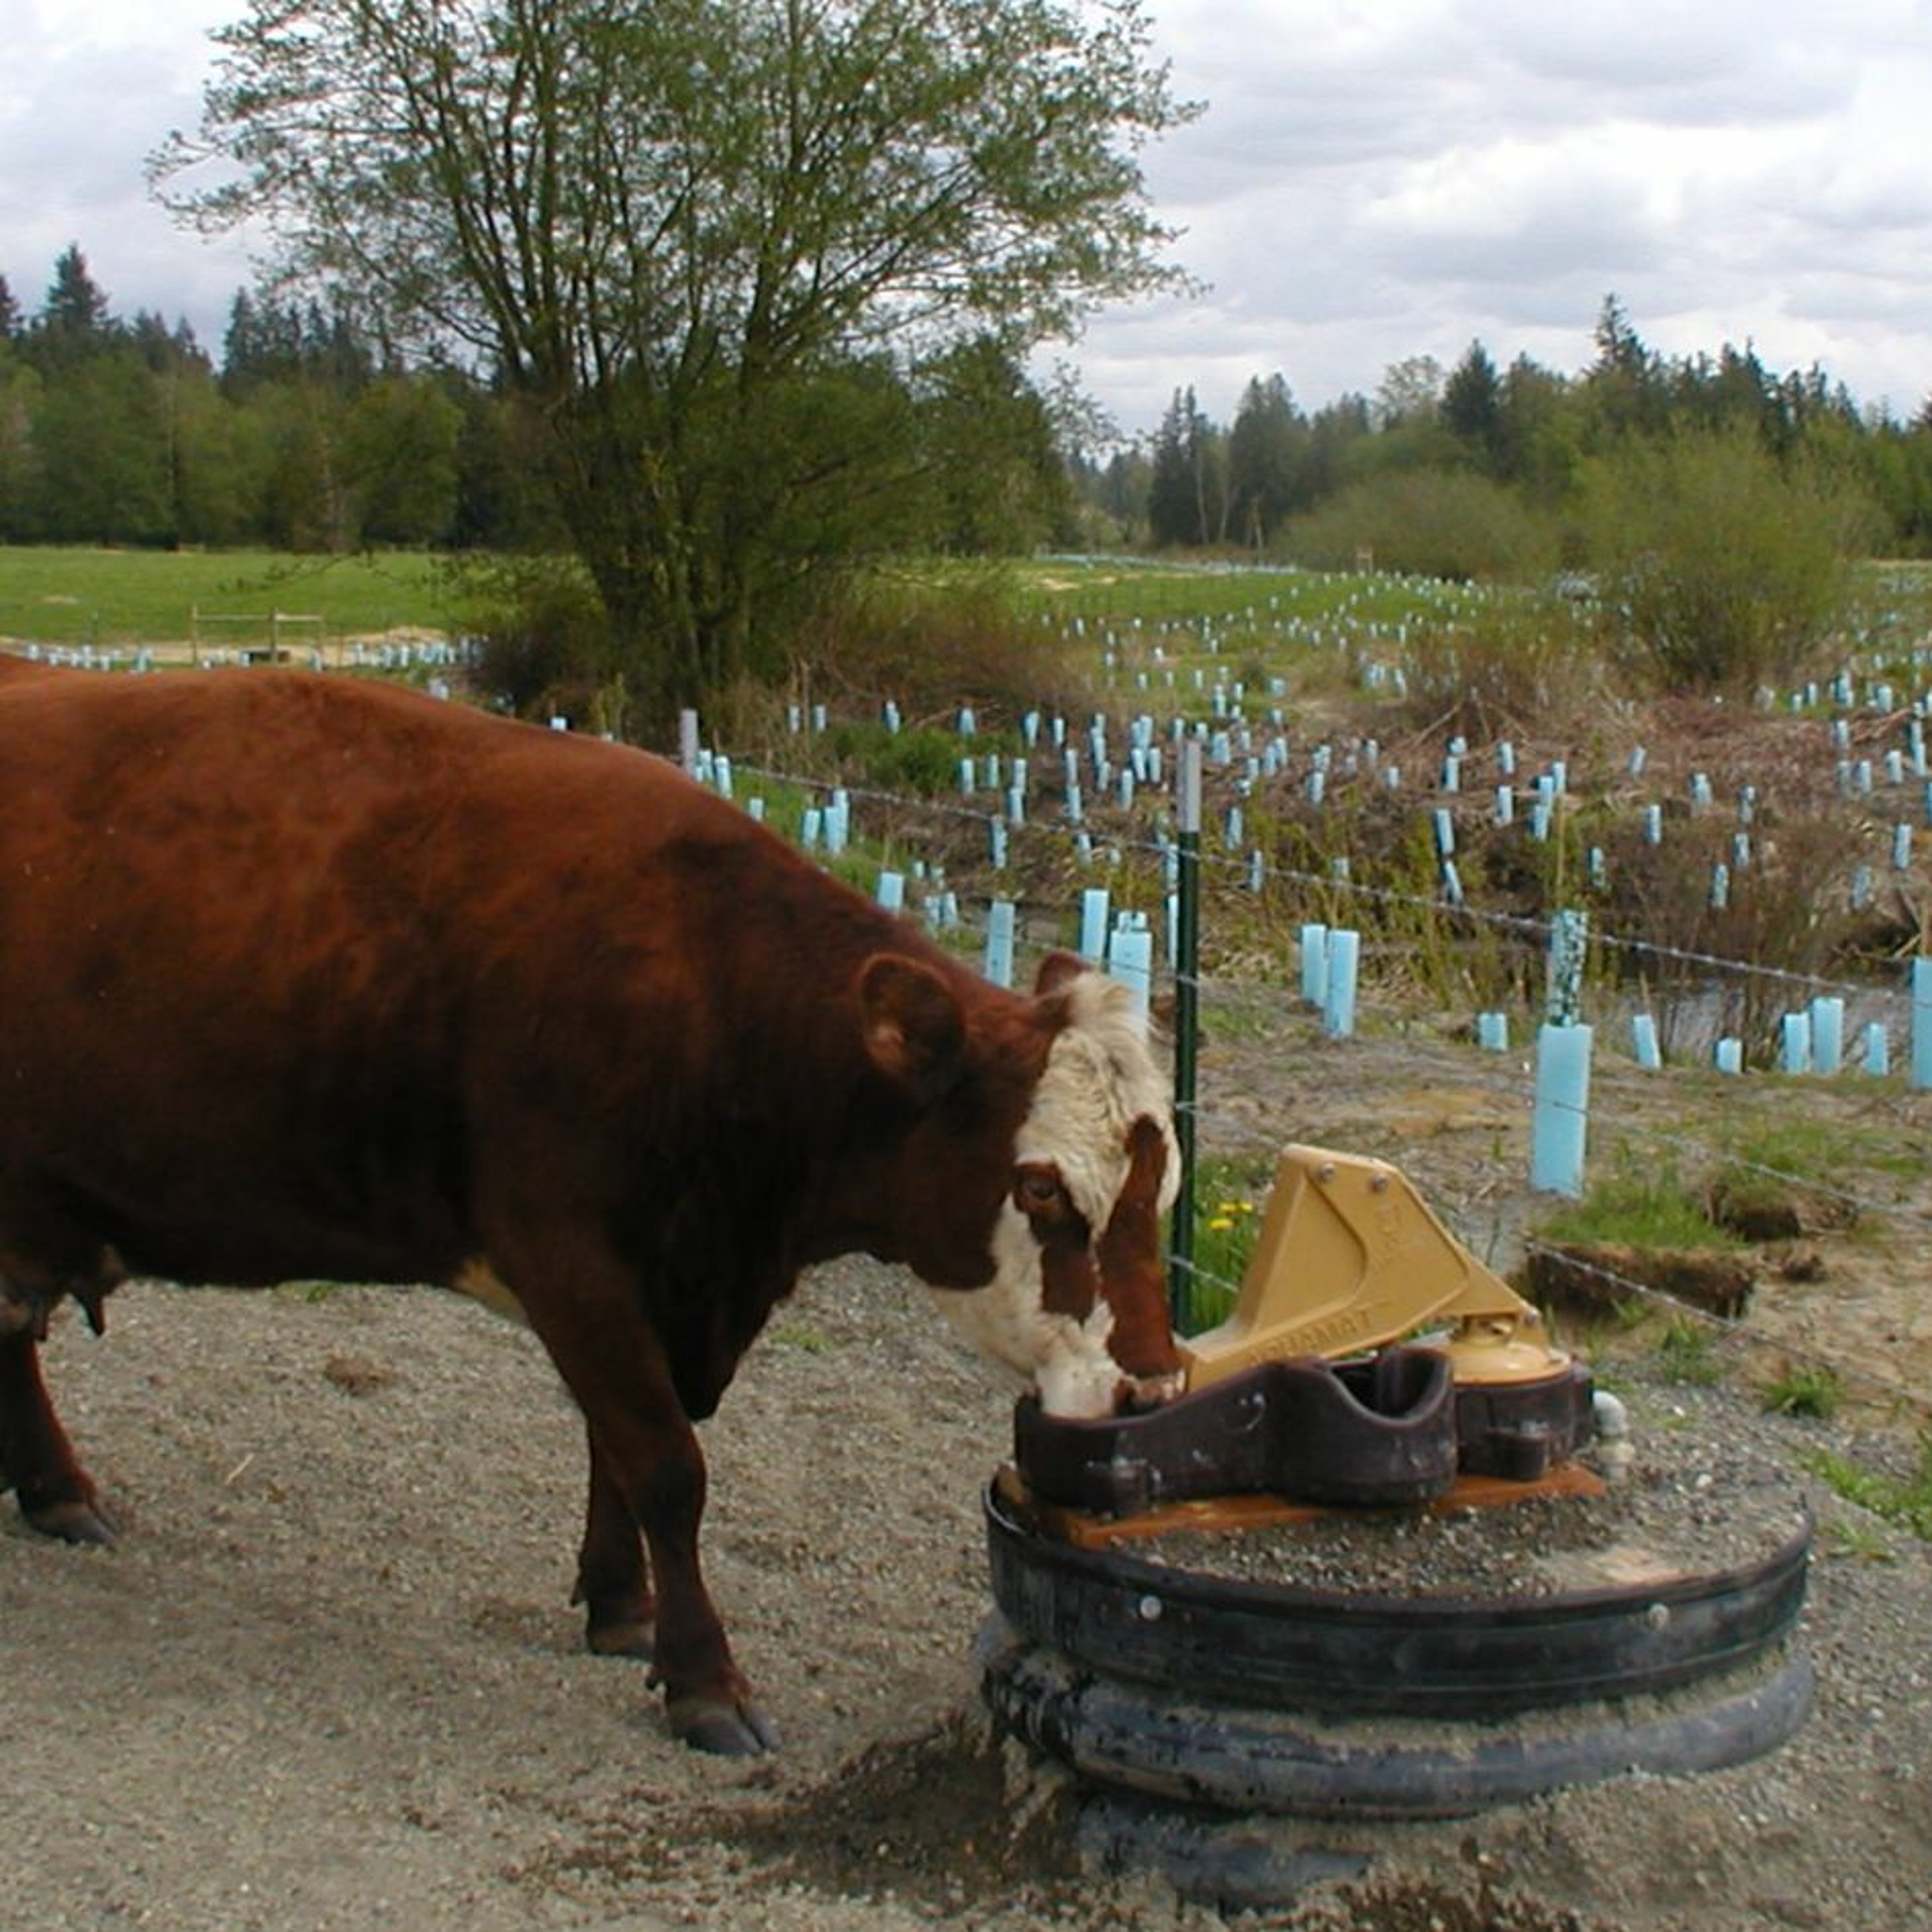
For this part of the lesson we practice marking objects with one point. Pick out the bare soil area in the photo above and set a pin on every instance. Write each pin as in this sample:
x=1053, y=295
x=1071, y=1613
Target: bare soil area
x=329, y=1677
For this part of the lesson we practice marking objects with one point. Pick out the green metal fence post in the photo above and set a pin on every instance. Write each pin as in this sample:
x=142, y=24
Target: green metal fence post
x=1187, y=1007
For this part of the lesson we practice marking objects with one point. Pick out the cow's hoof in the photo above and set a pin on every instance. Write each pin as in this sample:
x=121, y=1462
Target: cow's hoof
x=74, y=1519
x=621, y=1637
x=724, y=1729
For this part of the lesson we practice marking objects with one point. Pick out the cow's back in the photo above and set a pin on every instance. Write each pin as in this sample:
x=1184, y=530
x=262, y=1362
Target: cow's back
x=282, y=956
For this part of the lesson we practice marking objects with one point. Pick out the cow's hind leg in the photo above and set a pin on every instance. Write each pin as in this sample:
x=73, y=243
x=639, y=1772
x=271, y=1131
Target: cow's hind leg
x=54, y=1492
x=613, y=1582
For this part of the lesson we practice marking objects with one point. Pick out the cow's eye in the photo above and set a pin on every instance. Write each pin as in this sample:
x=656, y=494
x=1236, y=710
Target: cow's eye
x=1037, y=1190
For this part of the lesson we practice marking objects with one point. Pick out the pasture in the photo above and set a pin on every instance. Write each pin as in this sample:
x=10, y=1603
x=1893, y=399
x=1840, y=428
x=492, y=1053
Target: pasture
x=122, y=599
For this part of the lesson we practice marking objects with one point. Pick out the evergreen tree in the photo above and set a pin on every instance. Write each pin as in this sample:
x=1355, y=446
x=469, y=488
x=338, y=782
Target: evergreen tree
x=501, y=501
x=214, y=466
x=1335, y=433
x=1123, y=490
x=1267, y=450
x=1187, y=497
x=20, y=395
x=399, y=440
x=998, y=484
x=162, y=349
x=1472, y=408
x=1539, y=431
x=305, y=502
x=75, y=320
x=101, y=454
x=250, y=354
x=1626, y=385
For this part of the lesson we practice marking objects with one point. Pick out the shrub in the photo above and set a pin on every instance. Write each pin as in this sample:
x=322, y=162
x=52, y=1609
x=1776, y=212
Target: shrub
x=919, y=759
x=1805, y=1389
x=1720, y=568
x=1520, y=664
x=932, y=648
x=1777, y=915
x=544, y=640
x=1428, y=523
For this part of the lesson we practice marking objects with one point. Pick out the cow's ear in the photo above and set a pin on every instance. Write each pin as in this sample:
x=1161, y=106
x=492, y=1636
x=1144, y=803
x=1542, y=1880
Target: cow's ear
x=915, y=1032
x=1055, y=971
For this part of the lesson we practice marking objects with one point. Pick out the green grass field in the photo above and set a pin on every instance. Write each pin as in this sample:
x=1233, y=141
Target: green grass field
x=220, y=598
x=55, y=595
x=66, y=595
x=1116, y=590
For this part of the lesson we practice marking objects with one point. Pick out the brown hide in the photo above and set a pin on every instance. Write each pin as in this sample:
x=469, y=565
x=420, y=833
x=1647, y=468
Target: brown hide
x=309, y=978
x=305, y=977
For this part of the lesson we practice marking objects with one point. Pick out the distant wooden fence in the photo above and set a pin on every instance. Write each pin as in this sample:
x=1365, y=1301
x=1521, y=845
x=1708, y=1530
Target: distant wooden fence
x=277, y=629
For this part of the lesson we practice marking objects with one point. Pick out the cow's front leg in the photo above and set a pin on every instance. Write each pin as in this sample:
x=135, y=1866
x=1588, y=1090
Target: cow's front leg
x=707, y=1700
x=54, y=1493
x=645, y=1454
x=614, y=1583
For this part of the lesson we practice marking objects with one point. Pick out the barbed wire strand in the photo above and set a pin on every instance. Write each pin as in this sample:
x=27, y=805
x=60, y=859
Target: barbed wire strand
x=1291, y=1005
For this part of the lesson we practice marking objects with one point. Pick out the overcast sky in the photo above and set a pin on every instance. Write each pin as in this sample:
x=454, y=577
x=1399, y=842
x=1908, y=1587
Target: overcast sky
x=1371, y=180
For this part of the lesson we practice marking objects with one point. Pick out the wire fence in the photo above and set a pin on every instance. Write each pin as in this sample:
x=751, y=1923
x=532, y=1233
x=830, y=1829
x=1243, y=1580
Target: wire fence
x=1648, y=1120
x=1242, y=873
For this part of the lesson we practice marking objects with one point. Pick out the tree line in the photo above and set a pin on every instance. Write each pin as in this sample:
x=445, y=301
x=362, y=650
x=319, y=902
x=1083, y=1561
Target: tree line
x=1485, y=470
x=311, y=431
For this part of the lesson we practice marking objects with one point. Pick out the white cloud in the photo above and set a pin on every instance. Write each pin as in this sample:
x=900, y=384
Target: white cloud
x=1515, y=212
x=91, y=90
x=1373, y=181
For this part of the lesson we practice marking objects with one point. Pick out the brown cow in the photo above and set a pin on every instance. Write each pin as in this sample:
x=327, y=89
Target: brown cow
x=303, y=977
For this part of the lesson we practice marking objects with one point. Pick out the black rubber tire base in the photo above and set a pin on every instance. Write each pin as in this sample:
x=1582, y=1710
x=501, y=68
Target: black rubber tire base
x=1218, y=1729
x=1201, y=1752
x=1289, y=1648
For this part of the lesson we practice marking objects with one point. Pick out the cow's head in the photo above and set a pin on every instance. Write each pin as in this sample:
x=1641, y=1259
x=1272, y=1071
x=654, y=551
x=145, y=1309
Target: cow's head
x=1058, y=1146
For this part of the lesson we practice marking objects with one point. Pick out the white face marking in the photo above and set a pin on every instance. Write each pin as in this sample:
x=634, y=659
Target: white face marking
x=1100, y=1078
x=1066, y=1360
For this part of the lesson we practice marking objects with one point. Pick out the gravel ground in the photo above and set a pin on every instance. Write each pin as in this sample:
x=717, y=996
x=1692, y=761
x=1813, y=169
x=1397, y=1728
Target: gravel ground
x=329, y=1677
